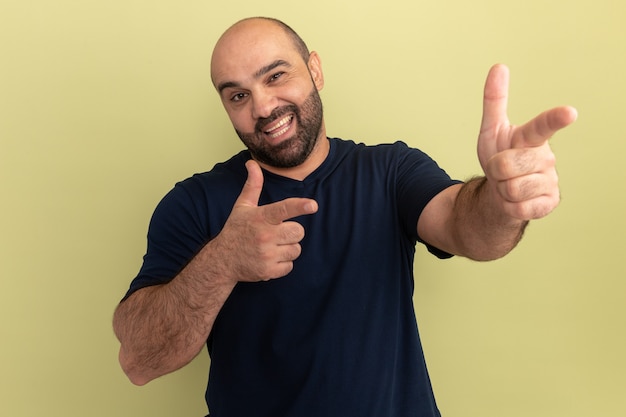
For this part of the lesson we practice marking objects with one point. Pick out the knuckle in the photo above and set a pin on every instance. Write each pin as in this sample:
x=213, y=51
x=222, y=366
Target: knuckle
x=500, y=167
x=533, y=209
x=264, y=256
x=276, y=213
x=262, y=238
x=295, y=232
x=520, y=212
x=511, y=190
x=282, y=210
x=294, y=251
x=525, y=161
x=550, y=159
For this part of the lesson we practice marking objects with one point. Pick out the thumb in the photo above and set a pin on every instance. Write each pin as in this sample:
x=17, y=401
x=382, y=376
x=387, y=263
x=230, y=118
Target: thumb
x=494, y=118
x=251, y=191
x=495, y=98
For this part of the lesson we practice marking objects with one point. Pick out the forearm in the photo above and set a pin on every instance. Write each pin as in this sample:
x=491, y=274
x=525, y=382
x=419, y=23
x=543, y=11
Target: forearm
x=482, y=229
x=156, y=335
x=162, y=328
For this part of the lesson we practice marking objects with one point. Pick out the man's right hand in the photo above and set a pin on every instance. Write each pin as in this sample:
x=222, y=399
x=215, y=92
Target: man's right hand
x=258, y=243
x=163, y=327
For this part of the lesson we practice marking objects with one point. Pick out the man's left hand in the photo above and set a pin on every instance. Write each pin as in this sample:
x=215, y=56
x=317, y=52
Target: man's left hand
x=517, y=160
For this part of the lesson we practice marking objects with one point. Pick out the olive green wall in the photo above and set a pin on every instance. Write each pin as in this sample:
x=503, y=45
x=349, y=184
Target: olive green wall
x=104, y=105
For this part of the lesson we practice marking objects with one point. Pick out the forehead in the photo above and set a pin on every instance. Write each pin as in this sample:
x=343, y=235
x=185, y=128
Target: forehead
x=249, y=46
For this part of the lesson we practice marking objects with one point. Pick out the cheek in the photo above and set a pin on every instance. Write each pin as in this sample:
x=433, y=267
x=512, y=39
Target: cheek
x=241, y=120
x=299, y=95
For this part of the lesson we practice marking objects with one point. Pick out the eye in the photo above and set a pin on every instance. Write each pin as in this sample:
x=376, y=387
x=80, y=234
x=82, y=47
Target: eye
x=276, y=76
x=238, y=97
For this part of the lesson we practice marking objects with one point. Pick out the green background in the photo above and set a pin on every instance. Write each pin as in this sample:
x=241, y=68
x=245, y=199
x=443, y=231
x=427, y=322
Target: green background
x=104, y=105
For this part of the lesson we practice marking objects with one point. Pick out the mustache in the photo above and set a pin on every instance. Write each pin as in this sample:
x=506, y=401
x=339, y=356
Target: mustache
x=277, y=113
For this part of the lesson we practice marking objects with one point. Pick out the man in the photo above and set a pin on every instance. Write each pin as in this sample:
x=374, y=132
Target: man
x=293, y=261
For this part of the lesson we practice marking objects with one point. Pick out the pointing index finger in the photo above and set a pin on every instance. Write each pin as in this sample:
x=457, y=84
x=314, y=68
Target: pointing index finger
x=544, y=126
x=289, y=208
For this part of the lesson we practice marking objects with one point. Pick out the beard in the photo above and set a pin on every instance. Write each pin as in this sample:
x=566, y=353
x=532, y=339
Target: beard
x=295, y=150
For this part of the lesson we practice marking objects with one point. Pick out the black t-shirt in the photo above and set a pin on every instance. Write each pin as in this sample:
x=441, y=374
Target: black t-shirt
x=337, y=336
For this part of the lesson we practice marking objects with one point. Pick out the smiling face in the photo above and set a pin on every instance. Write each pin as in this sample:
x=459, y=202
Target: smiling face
x=270, y=92
x=287, y=137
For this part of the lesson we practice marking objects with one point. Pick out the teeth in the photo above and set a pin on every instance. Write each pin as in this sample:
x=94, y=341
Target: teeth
x=280, y=123
x=280, y=132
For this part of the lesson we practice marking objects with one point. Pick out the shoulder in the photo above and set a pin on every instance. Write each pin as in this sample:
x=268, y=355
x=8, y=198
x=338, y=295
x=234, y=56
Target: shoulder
x=223, y=173
x=348, y=147
x=396, y=148
x=204, y=192
x=222, y=177
x=392, y=156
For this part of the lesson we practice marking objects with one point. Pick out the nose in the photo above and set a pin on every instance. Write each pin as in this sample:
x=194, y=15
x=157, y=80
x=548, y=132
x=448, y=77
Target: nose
x=263, y=104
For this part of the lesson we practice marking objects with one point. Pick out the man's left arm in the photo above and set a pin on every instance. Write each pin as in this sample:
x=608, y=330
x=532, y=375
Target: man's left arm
x=485, y=218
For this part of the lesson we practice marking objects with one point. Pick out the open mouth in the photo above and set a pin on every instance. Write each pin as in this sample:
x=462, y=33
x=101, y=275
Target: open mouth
x=279, y=127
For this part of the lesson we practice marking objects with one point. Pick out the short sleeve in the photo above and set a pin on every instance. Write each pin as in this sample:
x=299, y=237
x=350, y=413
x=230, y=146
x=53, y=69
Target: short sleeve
x=419, y=179
x=175, y=235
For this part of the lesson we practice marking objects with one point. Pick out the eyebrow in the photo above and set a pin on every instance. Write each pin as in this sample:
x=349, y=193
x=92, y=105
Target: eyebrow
x=261, y=72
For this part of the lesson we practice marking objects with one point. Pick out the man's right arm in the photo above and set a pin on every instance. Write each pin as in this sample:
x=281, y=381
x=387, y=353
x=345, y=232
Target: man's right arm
x=163, y=327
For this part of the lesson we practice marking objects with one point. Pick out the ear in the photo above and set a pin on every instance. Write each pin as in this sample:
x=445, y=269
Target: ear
x=315, y=68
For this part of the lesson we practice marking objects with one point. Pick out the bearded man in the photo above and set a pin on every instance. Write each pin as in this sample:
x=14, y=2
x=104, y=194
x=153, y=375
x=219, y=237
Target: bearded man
x=293, y=260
